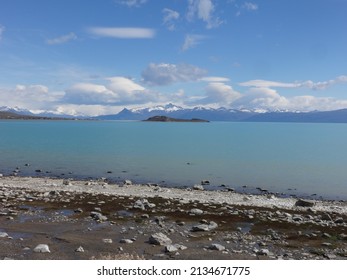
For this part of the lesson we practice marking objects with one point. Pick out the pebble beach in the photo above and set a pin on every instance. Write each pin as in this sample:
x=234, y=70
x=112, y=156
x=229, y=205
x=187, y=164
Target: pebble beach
x=47, y=218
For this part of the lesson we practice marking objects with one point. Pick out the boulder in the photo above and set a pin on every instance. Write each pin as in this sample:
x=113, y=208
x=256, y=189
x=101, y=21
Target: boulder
x=205, y=227
x=127, y=182
x=143, y=204
x=160, y=239
x=304, y=203
x=198, y=188
x=3, y=235
x=196, y=211
x=98, y=216
x=216, y=247
x=42, y=248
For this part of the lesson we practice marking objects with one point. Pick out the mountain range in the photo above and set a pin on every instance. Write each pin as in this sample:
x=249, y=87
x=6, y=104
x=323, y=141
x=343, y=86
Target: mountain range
x=211, y=114
x=225, y=114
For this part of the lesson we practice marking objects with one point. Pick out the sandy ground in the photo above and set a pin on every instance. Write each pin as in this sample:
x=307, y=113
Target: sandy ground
x=97, y=220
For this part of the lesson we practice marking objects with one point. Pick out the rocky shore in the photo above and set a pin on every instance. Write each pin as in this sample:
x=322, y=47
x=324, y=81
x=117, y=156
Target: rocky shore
x=44, y=218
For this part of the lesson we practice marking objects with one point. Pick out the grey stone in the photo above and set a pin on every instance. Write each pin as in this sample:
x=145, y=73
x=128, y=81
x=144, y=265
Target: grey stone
x=263, y=252
x=330, y=256
x=80, y=249
x=198, y=188
x=339, y=220
x=67, y=182
x=216, y=247
x=205, y=182
x=127, y=182
x=98, y=216
x=304, y=203
x=171, y=248
x=143, y=204
x=196, y=211
x=205, y=227
x=107, y=240
x=160, y=239
x=343, y=236
x=42, y=248
x=126, y=241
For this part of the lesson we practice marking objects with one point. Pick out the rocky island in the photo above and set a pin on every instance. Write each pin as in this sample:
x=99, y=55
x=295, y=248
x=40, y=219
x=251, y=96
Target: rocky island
x=168, y=119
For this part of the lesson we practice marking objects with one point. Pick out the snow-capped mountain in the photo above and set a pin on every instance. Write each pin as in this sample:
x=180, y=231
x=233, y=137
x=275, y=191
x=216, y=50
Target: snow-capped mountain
x=25, y=112
x=174, y=111
x=225, y=114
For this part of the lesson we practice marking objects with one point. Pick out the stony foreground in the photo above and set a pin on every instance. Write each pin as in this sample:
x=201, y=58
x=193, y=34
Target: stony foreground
x=64, y=219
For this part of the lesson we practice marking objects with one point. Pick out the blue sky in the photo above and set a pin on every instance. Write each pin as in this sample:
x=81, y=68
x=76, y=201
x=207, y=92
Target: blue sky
x=95, y=57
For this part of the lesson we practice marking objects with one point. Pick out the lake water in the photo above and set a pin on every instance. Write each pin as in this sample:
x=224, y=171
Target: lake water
x=293, y=158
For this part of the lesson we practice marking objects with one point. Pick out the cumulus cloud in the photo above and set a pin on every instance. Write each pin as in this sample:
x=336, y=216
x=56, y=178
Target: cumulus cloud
x=35, y=97
x=165, y=74
x=62, y=39
x=191, y=41
x=203, y=10
x=220, y=94
x=170, y=16
x=117, y=91
x=123, y=32
x=131, y=3
x=270, y=99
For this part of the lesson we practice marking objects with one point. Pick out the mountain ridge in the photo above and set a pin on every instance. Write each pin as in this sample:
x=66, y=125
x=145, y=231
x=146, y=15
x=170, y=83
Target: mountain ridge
x=211, y=114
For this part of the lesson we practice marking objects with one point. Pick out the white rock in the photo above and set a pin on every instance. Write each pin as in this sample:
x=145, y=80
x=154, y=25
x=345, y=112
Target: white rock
x=107, y=240
x=42, y=248
x=3, y=234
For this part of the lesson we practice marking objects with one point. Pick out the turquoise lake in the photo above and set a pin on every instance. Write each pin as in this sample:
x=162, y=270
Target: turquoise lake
x=291, y=158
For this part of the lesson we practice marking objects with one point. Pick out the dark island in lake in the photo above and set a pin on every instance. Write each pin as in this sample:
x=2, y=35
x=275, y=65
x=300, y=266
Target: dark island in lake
x=168, y=119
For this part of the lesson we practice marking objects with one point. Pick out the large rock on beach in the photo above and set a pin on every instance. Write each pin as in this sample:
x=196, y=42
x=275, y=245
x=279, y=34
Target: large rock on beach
x=3, y=235
x=304, y=203
x=98, y=216
x=160, y=239
x=216, y=247
x=143, y=204
x=205, y=227
x=42, y=248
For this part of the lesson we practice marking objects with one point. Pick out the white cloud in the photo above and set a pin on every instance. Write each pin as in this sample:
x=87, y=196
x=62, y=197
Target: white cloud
x=270, y=99
x=35, y=97
x=250, y=6
x=170, y=16
x=211, y=79
x=165, y=74
x=2, y=30
x=117, y=91
x=123, y=32
x=131, y=3
x=306, y=84
x=220, y=94
x=191, y=41
x=267, y=84
x=203, y=10
x=62, y=39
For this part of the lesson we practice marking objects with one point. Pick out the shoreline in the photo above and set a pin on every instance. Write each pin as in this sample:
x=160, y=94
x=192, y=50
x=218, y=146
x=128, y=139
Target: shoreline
x=65, y=213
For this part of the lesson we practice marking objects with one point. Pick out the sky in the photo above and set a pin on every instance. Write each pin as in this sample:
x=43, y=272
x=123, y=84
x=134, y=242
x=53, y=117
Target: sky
x=94, y=57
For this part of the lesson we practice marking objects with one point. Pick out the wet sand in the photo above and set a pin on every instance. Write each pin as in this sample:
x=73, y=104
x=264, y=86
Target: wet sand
x=97, y=220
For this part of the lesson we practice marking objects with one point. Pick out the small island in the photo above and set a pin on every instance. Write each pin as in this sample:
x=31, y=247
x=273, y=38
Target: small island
x=168, y=119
